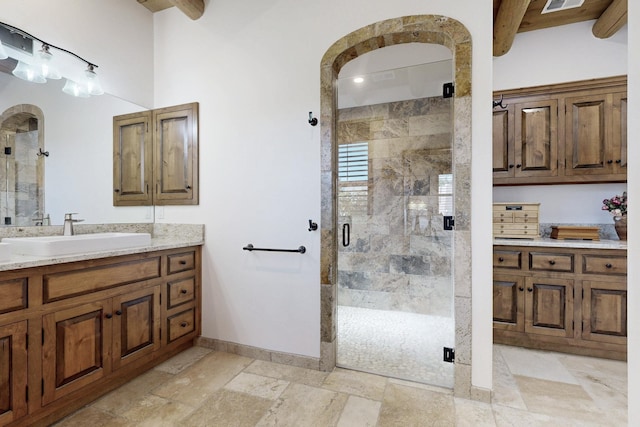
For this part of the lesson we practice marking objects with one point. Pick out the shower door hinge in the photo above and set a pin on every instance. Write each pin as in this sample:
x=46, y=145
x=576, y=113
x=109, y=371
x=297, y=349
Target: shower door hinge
x=449, y=355
x=449, y=222
x=447, y=90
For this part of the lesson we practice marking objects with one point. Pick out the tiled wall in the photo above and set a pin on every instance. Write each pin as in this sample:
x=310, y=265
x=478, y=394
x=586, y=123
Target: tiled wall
x=399, y=256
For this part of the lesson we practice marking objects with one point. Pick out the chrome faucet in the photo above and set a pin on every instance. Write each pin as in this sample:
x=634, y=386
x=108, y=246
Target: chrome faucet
x=68, y=224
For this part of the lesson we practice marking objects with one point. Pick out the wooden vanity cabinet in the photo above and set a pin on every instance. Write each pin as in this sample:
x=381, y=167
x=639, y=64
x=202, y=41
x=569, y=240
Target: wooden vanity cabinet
x=93, y=325
x=565, y=133
x=155, y=157
x=562, y=299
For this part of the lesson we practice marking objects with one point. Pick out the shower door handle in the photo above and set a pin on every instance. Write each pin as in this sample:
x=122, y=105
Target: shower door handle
x=346, y=234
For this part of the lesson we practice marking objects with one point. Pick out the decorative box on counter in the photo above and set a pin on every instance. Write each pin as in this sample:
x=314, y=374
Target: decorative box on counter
x=516, y=220
x=562, y=232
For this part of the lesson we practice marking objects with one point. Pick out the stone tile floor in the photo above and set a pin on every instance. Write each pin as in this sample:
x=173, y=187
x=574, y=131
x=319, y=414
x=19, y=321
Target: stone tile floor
x=200, y=387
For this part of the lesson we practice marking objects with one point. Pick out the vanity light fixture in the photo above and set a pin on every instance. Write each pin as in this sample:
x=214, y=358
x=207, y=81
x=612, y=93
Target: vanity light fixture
x=43, y=66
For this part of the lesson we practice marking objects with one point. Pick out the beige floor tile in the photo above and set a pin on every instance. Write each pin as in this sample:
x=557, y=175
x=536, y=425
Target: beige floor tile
x=536, y=364
x=95, y=418
x=511, y=417
x=473, y=414
x=157, y=412
x=196, y=383
x=287, y=373
x=410, y=406
x=558, y=399
x=122, y=398
x=359, y=412
x=229, y=409
x=302, y=405
x=257, y=385
x=505, y=389
x=359, y=383
x=183, y=360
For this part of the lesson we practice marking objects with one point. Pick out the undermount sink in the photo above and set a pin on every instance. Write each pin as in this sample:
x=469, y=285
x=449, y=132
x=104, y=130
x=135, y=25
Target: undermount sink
x=48, y=246
x=5, y=252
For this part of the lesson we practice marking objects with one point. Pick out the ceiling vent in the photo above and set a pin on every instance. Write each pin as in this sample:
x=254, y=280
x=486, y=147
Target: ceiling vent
x=558, y=5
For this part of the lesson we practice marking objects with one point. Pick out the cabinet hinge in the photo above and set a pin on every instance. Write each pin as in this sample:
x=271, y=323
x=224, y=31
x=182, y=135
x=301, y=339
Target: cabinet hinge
x=42, y=387
x=583, y=294
x=160, y=330
x=449, y=354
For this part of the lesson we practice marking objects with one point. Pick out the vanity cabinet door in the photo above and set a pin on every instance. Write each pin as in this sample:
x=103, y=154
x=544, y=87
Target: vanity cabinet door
x=620, y=133
x=75, y=348
x=508, y=302
x=132, y=159
x=503, y=150
x=604, y=311
x=136, y=325
x=176, y=155
x=13, y=372
x=549, y=306
x=536, y=138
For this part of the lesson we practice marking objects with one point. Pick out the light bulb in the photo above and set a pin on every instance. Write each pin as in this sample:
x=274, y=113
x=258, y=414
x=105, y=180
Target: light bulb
x=28, y=72
x=74, y=89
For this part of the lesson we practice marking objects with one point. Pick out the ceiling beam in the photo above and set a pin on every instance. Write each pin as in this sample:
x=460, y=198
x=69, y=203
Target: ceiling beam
x=611, y=20
x=506, y=24
x=192, y=8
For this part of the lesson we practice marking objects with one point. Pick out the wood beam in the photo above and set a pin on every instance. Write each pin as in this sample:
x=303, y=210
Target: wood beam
x=611, y=20
x=506, y=24
x=192, y=8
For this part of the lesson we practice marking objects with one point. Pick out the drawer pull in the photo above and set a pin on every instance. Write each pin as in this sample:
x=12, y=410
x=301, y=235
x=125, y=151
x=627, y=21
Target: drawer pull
x=183, y=291
x=183, y=262
x=530, y=289
x=552, y=262
x=184, y=324
x=119, y=313
x=520, y=288
x=608, y=265
x=108, y=315
x=501, y=259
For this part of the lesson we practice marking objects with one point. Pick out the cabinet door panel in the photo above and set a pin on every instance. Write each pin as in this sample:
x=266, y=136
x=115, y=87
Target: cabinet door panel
x=588, y=142
x=604, y=311
x=13, y=372
x=136, y=325
x=536, y=138
x=132, y=159
x=75, y=349
x=503, y=153
x=508, y=302
x=549, y=306
x=620, y=132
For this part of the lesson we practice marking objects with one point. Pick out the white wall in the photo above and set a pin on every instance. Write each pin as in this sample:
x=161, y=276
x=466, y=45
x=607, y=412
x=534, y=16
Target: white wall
x=556, y=55
x=257, y=77
x=117, y=35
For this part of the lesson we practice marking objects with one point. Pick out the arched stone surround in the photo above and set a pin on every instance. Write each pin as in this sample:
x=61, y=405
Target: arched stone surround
x=433, y=29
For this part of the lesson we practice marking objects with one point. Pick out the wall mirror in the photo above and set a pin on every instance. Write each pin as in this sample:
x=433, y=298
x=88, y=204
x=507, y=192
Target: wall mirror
x=76, y=176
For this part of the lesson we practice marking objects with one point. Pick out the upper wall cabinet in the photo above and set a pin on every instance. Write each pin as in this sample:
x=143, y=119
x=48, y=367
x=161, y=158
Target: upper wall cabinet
x=561, y=134
x=155, y=157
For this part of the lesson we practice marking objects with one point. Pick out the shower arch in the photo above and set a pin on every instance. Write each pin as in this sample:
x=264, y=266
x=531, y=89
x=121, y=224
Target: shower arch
x=435, y=29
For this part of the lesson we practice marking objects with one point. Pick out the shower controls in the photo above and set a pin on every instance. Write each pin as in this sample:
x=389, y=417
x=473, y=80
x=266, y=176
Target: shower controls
x=346, y=234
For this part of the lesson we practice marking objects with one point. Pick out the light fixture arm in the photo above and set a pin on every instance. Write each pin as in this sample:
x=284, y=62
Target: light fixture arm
x=44, y=43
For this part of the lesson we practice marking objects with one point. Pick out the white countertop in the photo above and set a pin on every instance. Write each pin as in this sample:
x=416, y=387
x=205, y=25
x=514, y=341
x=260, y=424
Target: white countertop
x=555, y=243
x=164, y=236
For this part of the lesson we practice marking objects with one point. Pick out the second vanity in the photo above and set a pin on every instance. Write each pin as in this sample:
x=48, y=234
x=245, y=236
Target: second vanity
x=74, y=327
x=562, y=295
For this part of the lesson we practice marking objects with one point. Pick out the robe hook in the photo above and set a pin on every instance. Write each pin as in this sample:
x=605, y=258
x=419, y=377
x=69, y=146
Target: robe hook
x=312, y=120
x=499, y=103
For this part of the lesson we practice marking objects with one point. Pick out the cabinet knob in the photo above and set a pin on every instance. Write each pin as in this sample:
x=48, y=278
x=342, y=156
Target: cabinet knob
x=117, y=190
x=530, y=289
x=119, y=313
x=183, y=291
x=510, y=166
x=552, y=262
x=108, y=315
x=182, y=262
x=608, y=265
x=618, y=161
x=518, y=165
x=520, y=288
x=188, y=187
x=184, y=324
x=501, y=259
x=609, y=162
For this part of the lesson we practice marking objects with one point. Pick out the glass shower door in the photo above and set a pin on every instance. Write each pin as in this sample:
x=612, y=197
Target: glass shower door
x=395, y=288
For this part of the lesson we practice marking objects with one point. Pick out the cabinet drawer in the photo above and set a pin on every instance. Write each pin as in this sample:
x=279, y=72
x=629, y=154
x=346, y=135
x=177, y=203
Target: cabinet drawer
x=602, y=264
x=548, y=261
x=507, y=259
x=181, y=262
x=524, y=217
x=181, y=324
x=502, y=217
x=13, y=294
x=180, y=291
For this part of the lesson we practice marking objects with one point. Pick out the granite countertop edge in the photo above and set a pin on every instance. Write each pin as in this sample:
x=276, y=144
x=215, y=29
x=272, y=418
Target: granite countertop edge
x=555, y=243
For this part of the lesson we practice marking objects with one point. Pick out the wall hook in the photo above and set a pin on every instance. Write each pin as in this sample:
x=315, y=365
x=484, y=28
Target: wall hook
x=312, y=120
x=312, y=226
x=499, y=103
x=42, y=153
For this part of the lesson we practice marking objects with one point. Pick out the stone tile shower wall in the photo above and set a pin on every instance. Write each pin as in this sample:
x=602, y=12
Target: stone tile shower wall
x=399, y=257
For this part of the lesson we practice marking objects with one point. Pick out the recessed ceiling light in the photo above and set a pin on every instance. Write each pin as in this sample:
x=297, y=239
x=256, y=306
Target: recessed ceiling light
x=358, y=80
